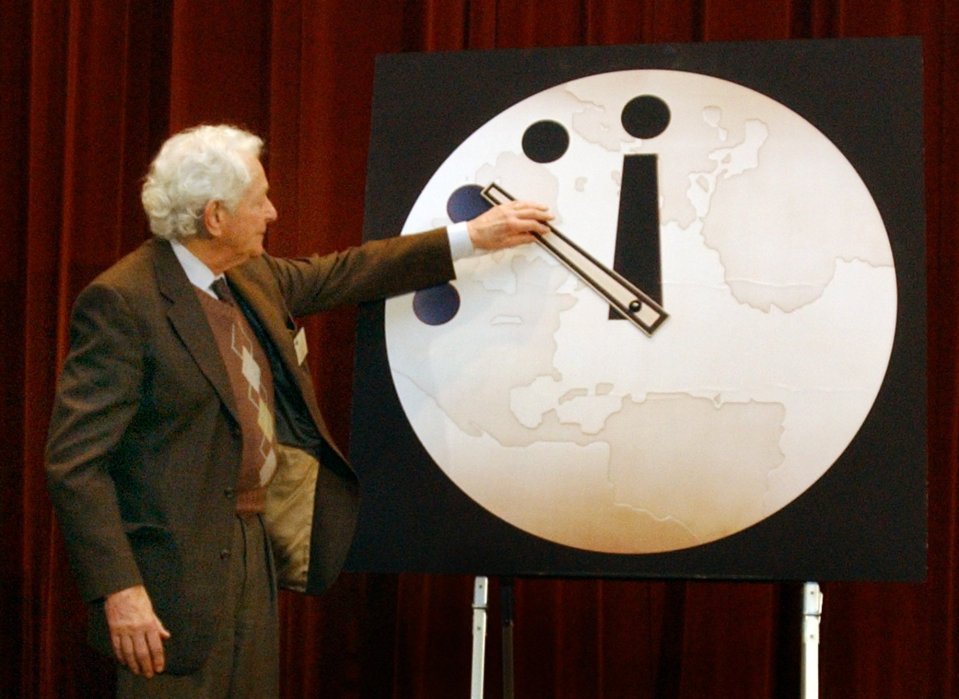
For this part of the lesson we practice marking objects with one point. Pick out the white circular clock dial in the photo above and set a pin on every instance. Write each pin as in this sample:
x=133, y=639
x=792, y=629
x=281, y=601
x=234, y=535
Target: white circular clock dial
x=780, y=287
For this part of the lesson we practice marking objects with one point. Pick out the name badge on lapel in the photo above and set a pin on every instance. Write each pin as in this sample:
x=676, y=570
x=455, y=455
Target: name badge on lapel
x=299, y=344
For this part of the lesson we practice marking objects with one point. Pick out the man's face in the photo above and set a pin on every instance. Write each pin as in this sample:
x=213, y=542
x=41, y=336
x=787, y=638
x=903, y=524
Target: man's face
x=243, y=229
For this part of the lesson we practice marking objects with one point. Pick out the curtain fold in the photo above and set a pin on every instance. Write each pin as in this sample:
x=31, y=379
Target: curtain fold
x=14, y=68
x=89, y=91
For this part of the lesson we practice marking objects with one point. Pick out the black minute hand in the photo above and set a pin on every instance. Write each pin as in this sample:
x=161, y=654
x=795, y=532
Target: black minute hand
x=623, y=296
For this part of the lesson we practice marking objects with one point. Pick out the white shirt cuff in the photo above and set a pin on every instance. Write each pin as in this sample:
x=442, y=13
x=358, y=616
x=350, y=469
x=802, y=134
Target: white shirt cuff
x=460, y=244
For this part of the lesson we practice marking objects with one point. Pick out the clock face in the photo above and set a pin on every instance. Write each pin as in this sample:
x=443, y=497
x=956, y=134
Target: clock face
x=764, y=249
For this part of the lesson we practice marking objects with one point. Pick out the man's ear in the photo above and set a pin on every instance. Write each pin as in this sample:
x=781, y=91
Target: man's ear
x=213, y=217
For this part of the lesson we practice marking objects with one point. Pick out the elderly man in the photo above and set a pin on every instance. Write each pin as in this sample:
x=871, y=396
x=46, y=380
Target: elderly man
x=188, y=461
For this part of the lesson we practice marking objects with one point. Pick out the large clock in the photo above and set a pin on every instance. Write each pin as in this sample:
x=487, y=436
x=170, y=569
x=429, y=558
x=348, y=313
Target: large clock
x=699, y=342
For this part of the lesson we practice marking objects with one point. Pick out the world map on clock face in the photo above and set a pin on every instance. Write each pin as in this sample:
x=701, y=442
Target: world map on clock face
x=767, y=253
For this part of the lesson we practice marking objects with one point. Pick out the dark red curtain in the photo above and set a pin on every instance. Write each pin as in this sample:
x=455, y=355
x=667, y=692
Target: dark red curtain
x=90, y=89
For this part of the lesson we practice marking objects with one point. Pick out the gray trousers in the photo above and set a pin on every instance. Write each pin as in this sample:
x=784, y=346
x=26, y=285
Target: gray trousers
x=246, y=655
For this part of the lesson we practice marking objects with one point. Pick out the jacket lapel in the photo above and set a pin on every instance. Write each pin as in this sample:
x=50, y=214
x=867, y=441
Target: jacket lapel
x=190, y=322
x=279, y=325
x=269, y=311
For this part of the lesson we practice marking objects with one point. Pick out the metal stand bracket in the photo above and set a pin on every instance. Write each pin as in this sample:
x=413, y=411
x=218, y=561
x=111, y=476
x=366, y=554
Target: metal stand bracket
x=480, y=606
x=811, y=616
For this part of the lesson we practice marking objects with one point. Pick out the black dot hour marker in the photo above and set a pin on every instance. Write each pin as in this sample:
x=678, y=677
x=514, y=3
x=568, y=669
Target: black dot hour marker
x=645, y=116
x=545, y=141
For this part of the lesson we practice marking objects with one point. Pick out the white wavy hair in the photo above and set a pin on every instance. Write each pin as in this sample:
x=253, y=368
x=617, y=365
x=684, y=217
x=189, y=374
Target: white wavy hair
x=194, y=167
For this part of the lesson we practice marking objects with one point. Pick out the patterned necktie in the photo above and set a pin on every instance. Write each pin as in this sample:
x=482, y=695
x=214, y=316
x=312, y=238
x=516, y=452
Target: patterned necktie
x=222, y=290
x=241, y=345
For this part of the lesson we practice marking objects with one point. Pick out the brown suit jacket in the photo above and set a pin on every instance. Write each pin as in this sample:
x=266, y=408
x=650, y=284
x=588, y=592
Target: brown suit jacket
x=144, y=444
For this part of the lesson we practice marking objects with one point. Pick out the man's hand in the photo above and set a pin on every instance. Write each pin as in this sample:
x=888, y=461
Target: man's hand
x=509, y=224
x=136, y=632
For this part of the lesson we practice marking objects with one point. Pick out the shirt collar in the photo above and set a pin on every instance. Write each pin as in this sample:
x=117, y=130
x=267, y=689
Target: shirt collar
x=198, y=273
